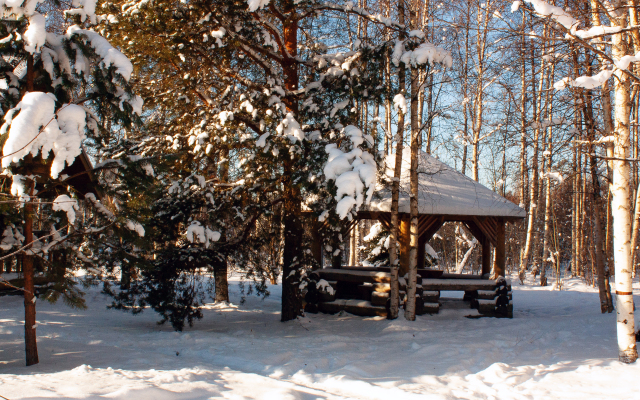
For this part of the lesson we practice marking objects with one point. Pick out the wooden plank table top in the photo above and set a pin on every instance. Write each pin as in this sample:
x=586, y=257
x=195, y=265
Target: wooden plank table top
x=369, y=276
x=331, y=274
x=458, y=284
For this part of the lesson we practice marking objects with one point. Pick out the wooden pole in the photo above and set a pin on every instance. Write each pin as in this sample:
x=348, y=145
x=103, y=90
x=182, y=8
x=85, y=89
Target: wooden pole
x=422, y=241
x=405, y=238
x=486, y=256
x=499, y=265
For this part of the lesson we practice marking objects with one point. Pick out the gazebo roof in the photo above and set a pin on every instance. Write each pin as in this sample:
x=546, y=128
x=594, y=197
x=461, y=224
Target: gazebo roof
x=442, y=191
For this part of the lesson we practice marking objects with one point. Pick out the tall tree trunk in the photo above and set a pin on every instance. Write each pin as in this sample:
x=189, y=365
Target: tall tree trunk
x=394, y=293
x=30, y=345
x=635, y=230
x=547, y=256
x=574, y=211
x=546, y=245
x=620, y=205
x=598, y=205
x=603, y=287
x=523, y=123
x=291, y=255
x=533, y=210
x=221, y=269
x=292, y=249
x=410, y=310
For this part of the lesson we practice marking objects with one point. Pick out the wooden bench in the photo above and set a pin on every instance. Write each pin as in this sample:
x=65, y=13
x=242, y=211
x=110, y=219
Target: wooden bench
x=365, y=291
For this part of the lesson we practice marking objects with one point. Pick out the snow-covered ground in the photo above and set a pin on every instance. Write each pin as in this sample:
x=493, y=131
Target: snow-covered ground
x=557, y=346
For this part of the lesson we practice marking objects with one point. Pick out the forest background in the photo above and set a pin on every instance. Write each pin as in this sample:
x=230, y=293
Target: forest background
x=537, y=102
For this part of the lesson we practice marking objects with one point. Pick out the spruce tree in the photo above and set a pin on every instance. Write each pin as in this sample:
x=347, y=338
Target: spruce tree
x=63, y=89
x=248, y=99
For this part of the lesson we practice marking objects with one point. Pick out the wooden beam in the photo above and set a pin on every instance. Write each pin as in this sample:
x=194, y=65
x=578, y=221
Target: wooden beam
x=351, y=275
x=499, y=265
x=486, y=256
x=385, y=220
x=491, y=225
x=486, y=229
x=404, y=237
x=421, y=252
x=432, y=229
x=477, y=232
x=350, y=225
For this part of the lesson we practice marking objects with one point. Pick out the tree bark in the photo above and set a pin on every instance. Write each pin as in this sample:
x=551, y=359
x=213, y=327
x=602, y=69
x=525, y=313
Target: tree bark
x=410, y=310
x=394, y=293
x=292, y=249
x=30, y=344
x=546, y=250
x=635, y=230
x=221, y=269
x=291, y=255
x=599, y=207
x=620, y=205
x=531, y=221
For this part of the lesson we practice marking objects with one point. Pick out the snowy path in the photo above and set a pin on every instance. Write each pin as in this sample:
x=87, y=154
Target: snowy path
x=558, y=346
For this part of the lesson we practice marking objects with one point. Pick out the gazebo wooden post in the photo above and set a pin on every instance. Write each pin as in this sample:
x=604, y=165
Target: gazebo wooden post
x=422, y=241
x=405, y=238
x=486, y=256
x=499, y=266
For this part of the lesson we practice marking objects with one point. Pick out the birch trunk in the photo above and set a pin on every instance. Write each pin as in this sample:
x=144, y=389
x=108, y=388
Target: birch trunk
x=620, y=205
x=394, y=293
x=547, y=256
x=546, y=251
x=410, y=308
x=478, y=108
x=531, y=220
x=598, y=205
x=635, y=229
x=574, y=211
x=603, y=287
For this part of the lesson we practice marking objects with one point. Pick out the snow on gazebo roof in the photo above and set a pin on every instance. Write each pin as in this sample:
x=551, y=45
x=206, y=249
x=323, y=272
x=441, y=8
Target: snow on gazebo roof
x=442, y=191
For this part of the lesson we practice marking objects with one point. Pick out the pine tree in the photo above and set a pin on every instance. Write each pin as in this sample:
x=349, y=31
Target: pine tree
x=64, y=89
x=377, y=246
x=247, y=96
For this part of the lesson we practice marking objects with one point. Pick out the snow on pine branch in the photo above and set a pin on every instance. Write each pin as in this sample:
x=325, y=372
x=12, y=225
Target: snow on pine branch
x=134, y=226
x=196, y=233
x=353, y=172
x=425, y=53
x=36, y=34
x=68, y=205
x=34, y=128
x=255, y=5
x=86, y=10
x=110, y=56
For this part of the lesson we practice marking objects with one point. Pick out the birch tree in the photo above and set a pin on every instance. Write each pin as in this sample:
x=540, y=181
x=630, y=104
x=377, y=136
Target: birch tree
x=620, y=60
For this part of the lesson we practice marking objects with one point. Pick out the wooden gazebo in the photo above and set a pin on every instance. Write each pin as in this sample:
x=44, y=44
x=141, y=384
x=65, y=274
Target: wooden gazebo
x=444, y=195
